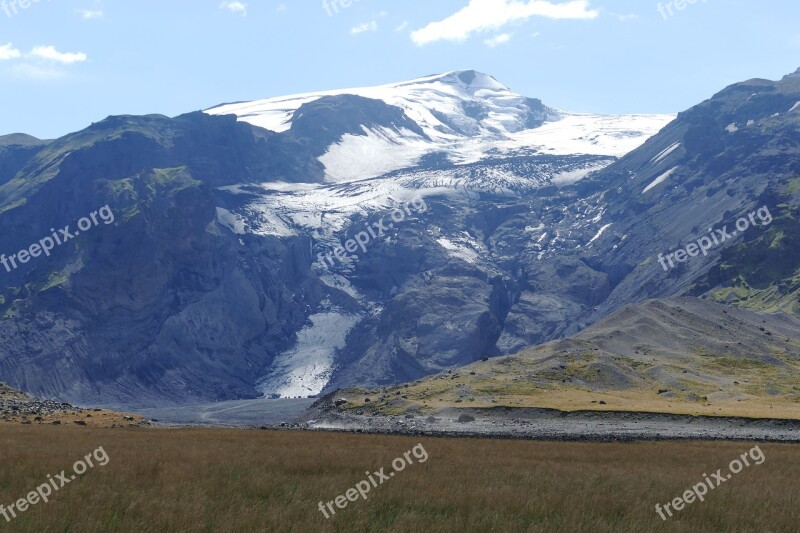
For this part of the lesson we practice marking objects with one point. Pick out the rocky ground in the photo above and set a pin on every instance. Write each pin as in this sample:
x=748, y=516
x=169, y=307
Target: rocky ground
x=238, y=413
x=549, y=424
x=19, y=408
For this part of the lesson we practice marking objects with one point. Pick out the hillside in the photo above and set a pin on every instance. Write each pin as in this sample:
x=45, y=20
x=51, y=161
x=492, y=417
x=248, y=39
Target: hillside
x=682, y=356
x=19, y=408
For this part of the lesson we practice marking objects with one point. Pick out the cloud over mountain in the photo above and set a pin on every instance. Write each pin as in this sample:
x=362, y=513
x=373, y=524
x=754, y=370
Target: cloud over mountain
x=485, y=15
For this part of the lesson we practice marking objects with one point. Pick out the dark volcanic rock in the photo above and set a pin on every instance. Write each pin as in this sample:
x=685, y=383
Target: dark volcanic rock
x=166, y=302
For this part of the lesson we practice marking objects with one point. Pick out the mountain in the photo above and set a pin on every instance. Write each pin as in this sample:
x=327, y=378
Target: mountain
x=15, y=150
x=724, y=159
x=20, y=139
x=372, y=236
x=156, y=300
x=462, y=137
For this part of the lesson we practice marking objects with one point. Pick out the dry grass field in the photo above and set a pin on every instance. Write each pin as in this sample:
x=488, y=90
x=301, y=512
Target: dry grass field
x=161, y=480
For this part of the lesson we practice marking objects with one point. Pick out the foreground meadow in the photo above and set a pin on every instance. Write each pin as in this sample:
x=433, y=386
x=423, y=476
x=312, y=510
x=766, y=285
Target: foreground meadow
x=158, y=480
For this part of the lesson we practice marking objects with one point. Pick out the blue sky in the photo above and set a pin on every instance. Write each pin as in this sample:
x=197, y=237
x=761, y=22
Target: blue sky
x=67, y=63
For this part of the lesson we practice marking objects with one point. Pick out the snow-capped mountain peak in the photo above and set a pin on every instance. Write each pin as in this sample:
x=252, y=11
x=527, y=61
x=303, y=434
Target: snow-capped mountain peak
x=446, y=106
x=468, y=82
x=463, y=116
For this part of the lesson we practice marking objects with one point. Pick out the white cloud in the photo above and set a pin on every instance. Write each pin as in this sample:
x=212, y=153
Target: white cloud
x=487, y=15
x=497, y=40
x=281, y=8
x=89, y=14
x=367, y=26
x=51, y=54
x=41, y=63
x=624, y=17
x=402, y=26
x=234, y=6
x=7, y=51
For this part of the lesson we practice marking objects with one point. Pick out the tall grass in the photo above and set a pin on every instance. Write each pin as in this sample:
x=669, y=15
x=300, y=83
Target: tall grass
x=227, y=480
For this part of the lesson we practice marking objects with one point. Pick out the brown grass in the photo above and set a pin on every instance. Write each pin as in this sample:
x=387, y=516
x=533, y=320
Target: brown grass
x=102, y=418
x=570, y=399
x=228, y=480
x=755, y=391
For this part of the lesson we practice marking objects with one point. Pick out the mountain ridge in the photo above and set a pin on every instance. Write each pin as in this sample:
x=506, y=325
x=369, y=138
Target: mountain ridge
x=208, y=286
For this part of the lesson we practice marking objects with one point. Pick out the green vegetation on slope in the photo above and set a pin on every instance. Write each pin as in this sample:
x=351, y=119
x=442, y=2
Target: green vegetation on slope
x=762, y=273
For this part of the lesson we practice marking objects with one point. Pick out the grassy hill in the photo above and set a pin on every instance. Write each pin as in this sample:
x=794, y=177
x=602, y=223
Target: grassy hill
x=682, y=356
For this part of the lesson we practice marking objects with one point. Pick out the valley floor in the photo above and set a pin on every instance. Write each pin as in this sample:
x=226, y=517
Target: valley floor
x=553, y=424
x=249, y=480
